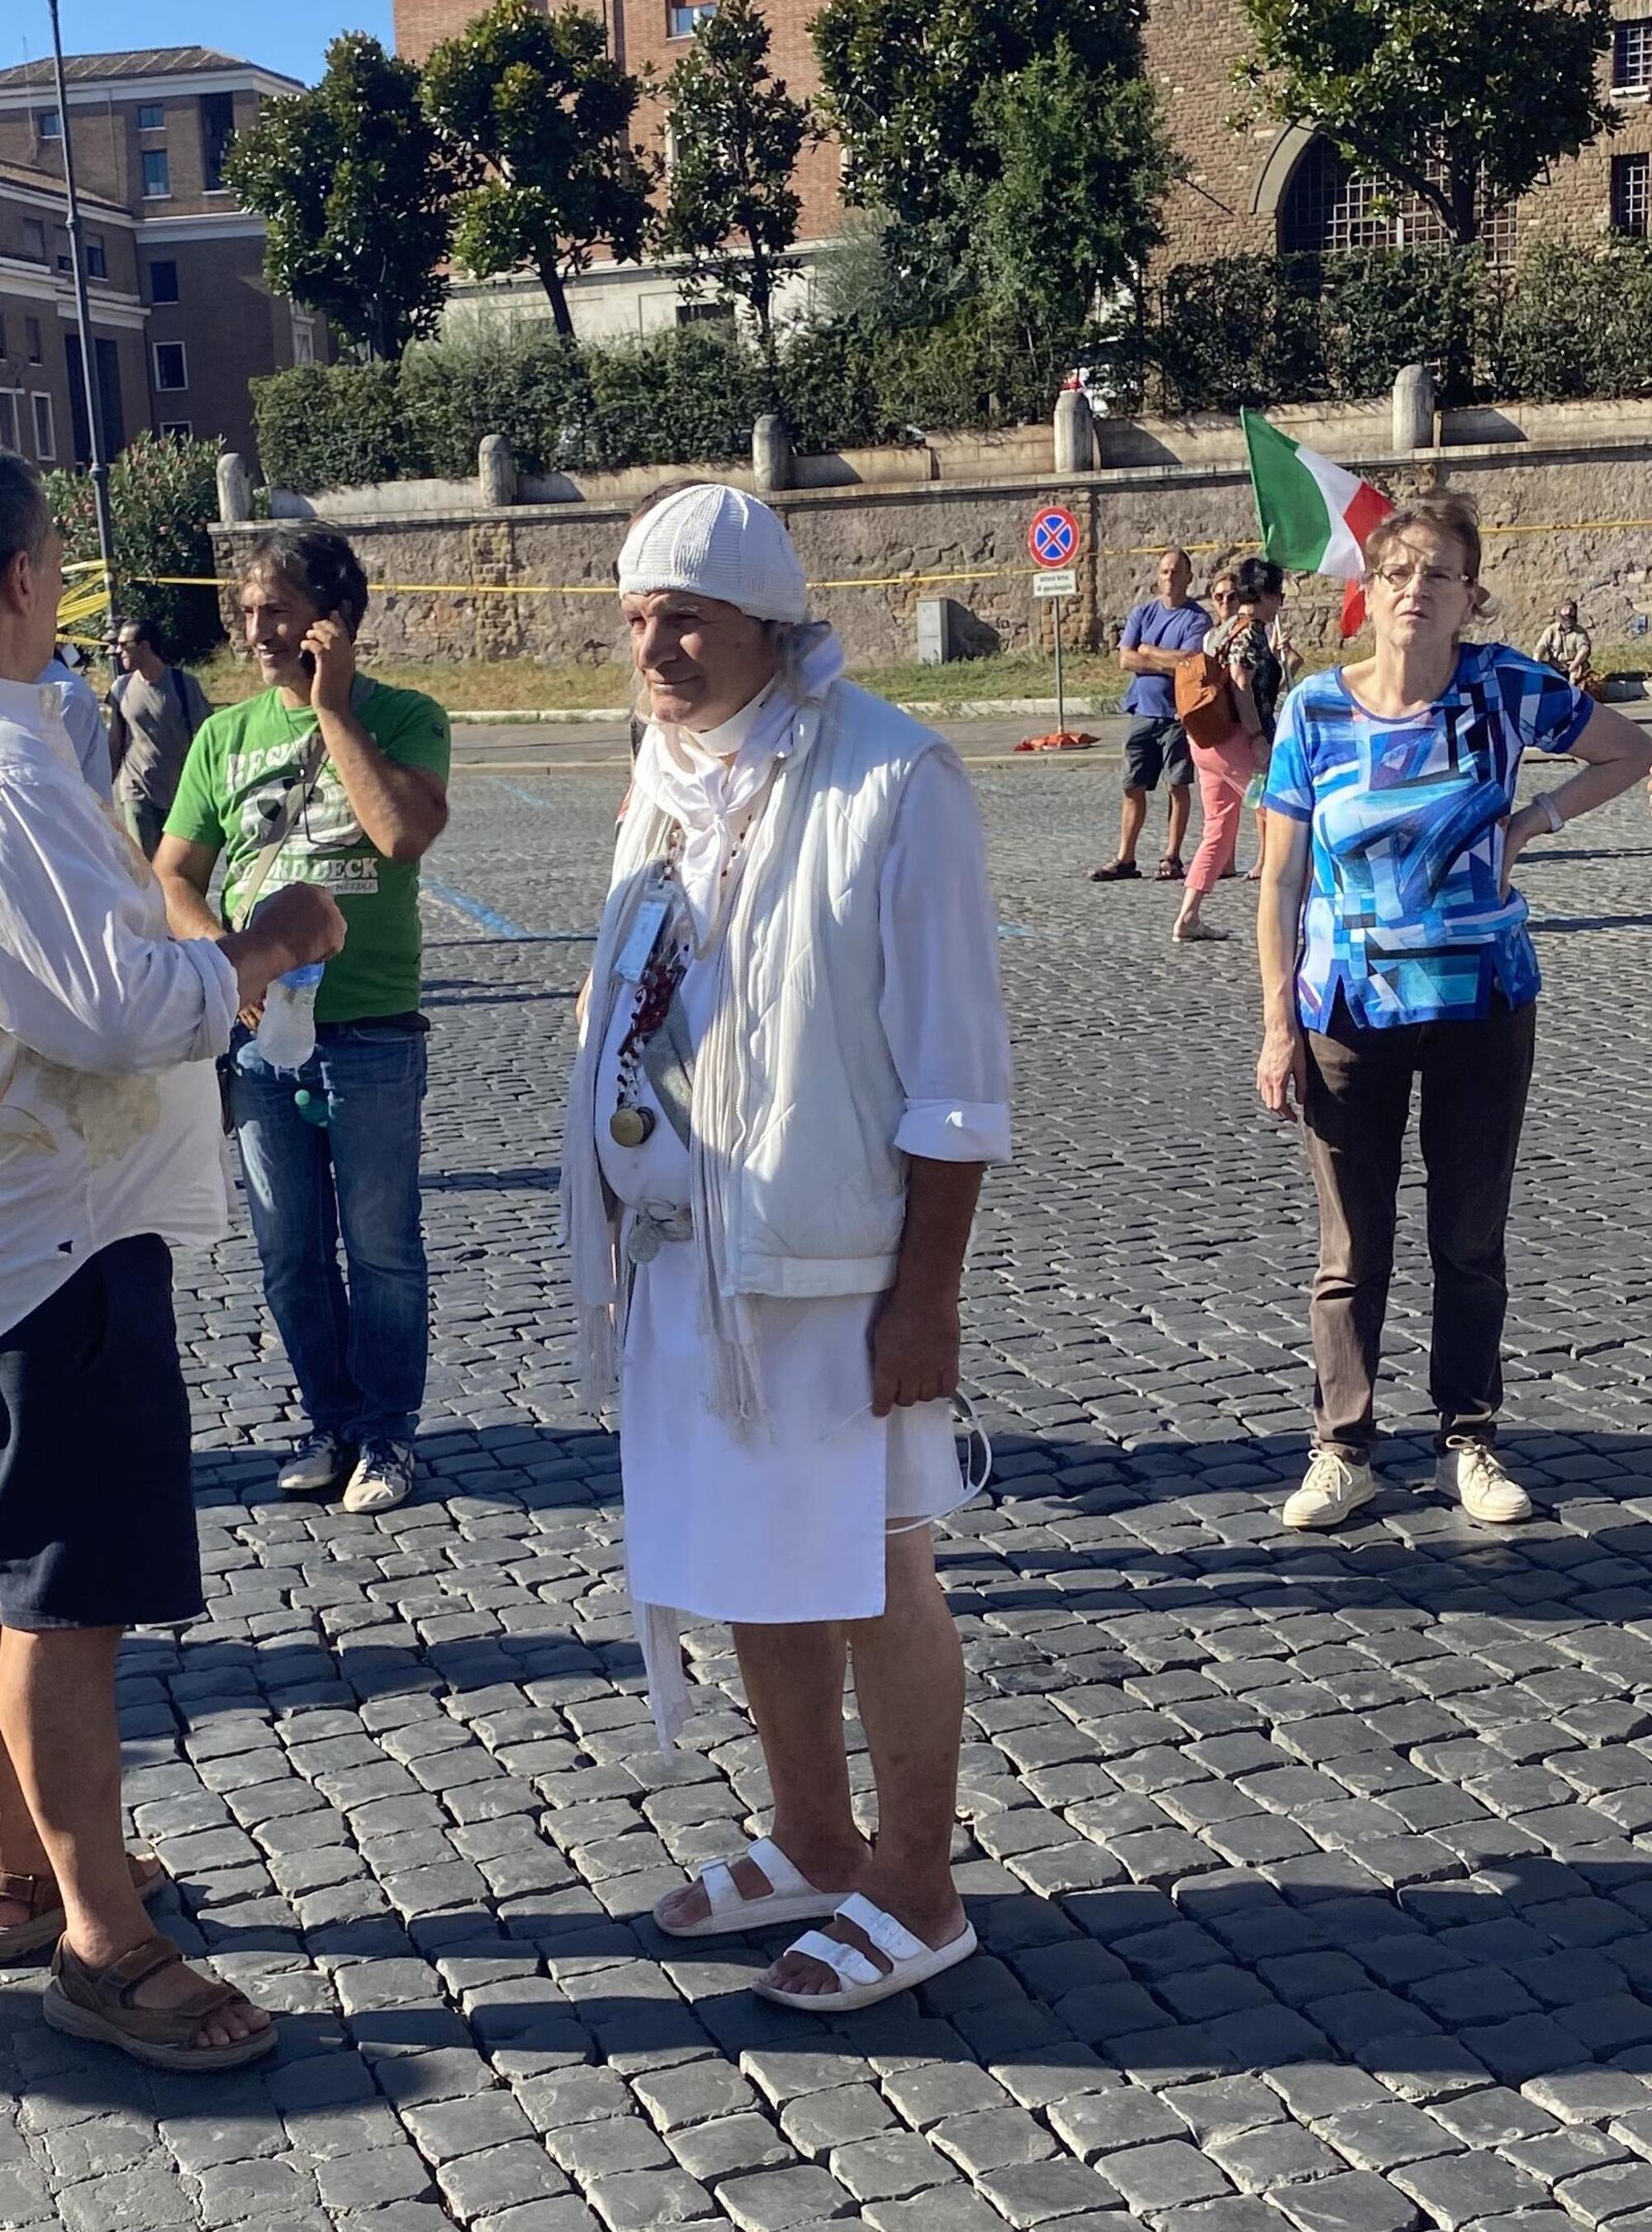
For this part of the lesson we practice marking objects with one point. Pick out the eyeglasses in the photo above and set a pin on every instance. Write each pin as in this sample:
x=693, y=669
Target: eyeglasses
x=1437, y=577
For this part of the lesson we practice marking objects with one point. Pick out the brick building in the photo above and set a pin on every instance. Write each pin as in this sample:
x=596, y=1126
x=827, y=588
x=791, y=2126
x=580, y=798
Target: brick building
x=1247, y=186
x=181, y=316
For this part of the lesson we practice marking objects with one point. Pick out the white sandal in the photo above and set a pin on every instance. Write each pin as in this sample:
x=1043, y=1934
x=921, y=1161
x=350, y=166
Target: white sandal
x=861, y=1983
x=791, y=1898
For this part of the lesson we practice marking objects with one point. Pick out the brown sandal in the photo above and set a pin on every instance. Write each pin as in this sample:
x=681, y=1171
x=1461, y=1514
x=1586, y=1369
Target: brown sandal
x=97, y=2003
x=45, y=1922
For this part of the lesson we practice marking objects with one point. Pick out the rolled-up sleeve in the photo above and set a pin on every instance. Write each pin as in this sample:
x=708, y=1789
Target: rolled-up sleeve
x=942, y=1009
x=88, y=977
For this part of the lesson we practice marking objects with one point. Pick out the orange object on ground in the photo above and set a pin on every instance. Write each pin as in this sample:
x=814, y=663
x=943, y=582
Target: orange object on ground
x=1059, y=740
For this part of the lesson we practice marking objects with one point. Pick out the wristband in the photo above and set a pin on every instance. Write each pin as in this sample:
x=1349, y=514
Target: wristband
x=1551, y=814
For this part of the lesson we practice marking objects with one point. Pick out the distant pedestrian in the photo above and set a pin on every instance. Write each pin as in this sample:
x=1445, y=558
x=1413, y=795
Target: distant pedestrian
x=1255, y=680
x=1567, y=645
x=1394, y=947
x=330, y=778
x=1157, y=636
x=109, y=1155
x=154, y=710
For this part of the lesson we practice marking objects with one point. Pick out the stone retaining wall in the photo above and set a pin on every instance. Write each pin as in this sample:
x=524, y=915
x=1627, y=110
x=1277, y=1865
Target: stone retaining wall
x=1573, y=507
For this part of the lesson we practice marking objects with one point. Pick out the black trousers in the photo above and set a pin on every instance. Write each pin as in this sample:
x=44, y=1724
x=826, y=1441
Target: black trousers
x=1474, y=1078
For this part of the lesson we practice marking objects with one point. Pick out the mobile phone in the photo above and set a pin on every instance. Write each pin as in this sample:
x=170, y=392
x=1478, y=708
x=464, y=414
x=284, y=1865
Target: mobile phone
x=306, y=658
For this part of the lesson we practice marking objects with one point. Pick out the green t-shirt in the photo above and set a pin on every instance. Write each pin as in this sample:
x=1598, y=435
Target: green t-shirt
x=240, y=767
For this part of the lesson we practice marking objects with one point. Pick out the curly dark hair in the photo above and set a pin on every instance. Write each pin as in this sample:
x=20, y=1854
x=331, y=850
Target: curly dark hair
x=1258, y=577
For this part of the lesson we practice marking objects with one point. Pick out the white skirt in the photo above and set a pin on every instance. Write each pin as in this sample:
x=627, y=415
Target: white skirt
x=785, y=1524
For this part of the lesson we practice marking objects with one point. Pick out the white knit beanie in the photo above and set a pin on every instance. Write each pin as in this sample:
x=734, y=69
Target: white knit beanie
x=721, y=542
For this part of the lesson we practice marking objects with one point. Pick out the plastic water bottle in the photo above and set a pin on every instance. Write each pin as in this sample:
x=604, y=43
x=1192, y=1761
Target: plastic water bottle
x=287, y=1033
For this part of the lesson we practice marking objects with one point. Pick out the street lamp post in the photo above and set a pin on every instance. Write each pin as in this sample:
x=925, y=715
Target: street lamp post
x=99, y=464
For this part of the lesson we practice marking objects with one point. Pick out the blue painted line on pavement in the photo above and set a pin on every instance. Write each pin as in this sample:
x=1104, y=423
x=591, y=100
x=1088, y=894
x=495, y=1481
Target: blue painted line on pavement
x=1012, y=930
x=484, y=917
x=528, y=797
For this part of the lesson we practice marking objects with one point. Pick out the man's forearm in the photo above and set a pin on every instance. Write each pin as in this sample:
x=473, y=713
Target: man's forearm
x=394, y=805
x=941, y=1201
x=188, y=914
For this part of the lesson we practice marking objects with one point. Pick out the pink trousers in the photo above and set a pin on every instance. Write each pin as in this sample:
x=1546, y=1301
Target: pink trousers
x=1224, y=771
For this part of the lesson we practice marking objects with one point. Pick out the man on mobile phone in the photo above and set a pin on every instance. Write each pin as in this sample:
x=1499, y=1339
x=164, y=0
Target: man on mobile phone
x=333, y=779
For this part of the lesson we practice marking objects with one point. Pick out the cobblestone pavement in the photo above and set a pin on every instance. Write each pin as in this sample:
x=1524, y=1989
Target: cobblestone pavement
x=1312, y=1875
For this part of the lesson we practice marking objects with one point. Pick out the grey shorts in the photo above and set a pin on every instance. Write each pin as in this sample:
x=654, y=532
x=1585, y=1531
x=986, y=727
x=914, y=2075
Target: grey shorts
x=1155, y=748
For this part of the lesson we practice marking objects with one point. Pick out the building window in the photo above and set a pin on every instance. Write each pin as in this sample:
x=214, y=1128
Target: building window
x=97, y=263
x=31, y=339
x=45, y=433
x=683, y=21
x=11, y=418
x=704, y=313
x=171, y=371
x=1632, y=55
x=303, y=340
x=1328, y=210
x=151, y=116
x=48, y=124
x=157, y=174
x=163, y=279
x=178, y=430
x=65, y=261
x=34, y=239
x=217, y=129
x=1632, y=191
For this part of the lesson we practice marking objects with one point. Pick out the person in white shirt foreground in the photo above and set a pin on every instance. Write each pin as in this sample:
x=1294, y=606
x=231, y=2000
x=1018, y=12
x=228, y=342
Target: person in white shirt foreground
x=109, y=1151
x=794, y=1070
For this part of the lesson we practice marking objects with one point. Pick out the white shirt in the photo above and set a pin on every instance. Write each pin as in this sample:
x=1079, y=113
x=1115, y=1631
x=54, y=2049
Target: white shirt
x=109, y=1121
x=84, y=722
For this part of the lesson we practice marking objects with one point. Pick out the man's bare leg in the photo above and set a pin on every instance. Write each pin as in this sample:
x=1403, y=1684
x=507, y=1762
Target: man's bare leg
x=793, y=1677
x=910, y=1687
x=1176, y=834
x=61, y=1731
x=1131, y=816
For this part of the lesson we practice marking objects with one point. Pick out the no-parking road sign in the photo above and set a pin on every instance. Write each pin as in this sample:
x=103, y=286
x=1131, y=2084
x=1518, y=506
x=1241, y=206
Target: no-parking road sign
x=1053, y=537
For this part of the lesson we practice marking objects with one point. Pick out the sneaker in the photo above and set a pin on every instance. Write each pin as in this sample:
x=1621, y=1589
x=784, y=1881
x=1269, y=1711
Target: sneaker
x=383, y=1479
x=1473, y=1473
x=319, y=1462
x=1331, y=1490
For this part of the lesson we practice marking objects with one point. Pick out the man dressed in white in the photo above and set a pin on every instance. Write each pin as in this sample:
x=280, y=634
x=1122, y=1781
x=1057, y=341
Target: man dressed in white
x=794, y=1070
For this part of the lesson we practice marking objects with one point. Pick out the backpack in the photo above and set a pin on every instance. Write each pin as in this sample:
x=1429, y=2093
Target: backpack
x=1204, y=702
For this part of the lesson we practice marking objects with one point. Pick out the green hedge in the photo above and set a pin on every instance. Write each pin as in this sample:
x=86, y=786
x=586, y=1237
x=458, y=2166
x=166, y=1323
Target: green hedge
x=1565, y=321
x=162, y=493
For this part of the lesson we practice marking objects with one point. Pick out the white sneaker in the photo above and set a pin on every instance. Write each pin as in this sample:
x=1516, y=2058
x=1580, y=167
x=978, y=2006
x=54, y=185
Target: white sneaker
x=1473, y=1474
x=1331, y=1490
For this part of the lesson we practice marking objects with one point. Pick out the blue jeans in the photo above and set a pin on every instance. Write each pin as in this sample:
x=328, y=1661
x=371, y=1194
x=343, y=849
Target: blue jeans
x=359, y=1358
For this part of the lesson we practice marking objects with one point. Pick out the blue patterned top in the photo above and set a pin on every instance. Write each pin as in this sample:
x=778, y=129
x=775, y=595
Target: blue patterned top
x=1402, y=915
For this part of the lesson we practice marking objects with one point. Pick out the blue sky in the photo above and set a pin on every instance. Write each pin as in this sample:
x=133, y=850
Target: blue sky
x=292, y=38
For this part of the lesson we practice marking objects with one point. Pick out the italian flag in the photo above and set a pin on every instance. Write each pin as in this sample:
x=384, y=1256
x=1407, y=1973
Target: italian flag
x=1315, y=515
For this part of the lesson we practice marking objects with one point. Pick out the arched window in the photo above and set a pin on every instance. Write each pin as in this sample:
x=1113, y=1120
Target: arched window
x=1327, y=208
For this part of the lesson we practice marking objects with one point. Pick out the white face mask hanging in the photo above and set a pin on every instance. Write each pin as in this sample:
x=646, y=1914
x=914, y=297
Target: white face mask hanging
x=976, y=1463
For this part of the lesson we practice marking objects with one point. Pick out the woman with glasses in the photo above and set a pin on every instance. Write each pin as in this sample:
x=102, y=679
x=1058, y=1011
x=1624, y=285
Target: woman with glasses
x=1393, y=948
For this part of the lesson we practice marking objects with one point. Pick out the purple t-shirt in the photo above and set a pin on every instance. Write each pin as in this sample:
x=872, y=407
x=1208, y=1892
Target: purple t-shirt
x=1160, y=627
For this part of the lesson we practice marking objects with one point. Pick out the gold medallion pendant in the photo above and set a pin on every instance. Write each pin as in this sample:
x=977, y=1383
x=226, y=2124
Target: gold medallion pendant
x=630, y=1127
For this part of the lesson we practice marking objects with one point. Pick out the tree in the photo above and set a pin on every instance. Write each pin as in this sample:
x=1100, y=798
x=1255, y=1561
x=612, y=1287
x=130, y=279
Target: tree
x=354, y=188
x=735, y=134
x=904, y=81
x=1082, y=158
x=1463, y=103
x=538, y=110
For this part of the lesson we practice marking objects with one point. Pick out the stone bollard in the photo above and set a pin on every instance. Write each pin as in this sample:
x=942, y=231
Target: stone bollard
x=771, y=453
x=235, y=487
x=1075, y=432
x=1414, y=407
x=495, y=472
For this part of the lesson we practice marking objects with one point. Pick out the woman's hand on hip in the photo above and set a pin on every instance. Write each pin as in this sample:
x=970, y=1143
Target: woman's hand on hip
x=915, y=1339
x=1282, y=1070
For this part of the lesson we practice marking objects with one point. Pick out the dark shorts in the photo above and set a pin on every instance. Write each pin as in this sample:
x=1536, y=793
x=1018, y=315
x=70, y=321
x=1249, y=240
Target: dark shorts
x=1155, y=748
x=97, y=1511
